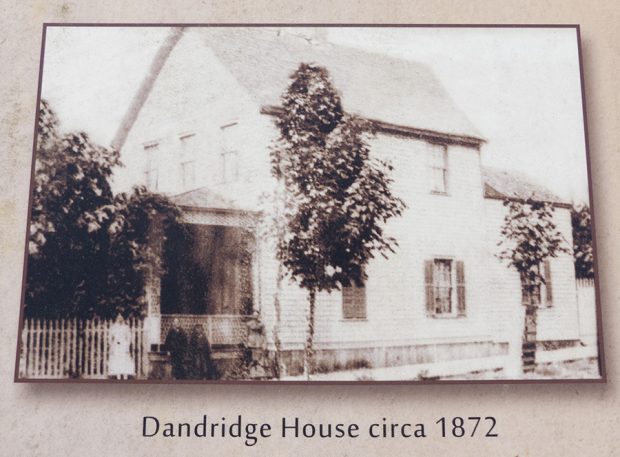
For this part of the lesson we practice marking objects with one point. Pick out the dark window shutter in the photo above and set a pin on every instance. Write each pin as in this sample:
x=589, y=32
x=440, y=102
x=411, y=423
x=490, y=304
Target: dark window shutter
x=428, y=281
x=353, y=302
x=460, y=288
x=360, y=301
x=548, y=283
x=347, y=302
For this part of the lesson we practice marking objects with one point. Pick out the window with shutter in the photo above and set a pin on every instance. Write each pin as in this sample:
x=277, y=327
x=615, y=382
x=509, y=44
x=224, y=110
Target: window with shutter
x=445, y=288
x=461, y=310
x=354, y=302
x=429, y=287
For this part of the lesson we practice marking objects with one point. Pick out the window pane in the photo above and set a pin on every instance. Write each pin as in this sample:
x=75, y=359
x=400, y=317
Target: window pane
x=438, y=168
x=436, y=157
x=229, y=166
x=188, y=174
x=437, y=176
x=442, y=281
x=152, y=179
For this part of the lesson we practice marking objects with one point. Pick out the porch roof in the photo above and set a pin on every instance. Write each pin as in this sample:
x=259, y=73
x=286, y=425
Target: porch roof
x=207, y=199
x=206, y=207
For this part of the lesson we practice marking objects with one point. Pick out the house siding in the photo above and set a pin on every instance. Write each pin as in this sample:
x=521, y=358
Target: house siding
x=462, y=225
x=557, y=322
x=445, y=226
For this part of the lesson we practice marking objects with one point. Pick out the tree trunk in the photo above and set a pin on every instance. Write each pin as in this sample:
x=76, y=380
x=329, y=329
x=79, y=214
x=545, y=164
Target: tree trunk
x=531, y=298
x=279, y=201
x=309, y=350
x=276, y=325
x=528, y=356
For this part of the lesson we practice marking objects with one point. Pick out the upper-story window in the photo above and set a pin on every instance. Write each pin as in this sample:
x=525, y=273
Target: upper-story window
x=230, y=166
x=151, y=173
x=188, y=159
x=188, y=174
x=438, y=168
x=187, y=144
x=229, y=158
x=152, y=179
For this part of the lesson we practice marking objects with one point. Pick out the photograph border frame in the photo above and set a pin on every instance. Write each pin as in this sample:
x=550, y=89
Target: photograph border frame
x=599, y=321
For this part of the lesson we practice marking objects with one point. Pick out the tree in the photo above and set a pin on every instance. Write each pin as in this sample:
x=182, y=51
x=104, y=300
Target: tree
x=131, y=255
x=529, y=237
x=87, y=247
x=337, y=198
x=582, y=241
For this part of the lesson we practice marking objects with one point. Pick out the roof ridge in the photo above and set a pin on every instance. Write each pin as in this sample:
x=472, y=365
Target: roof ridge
x=140, y=97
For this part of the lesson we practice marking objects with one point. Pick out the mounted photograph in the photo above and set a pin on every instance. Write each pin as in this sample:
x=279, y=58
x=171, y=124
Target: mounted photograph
x=364, y=204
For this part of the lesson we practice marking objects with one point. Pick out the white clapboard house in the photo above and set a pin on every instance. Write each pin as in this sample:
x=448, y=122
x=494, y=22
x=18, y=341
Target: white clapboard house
x=199, y=130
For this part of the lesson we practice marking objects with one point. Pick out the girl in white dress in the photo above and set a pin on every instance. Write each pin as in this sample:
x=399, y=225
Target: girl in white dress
x=120, y=364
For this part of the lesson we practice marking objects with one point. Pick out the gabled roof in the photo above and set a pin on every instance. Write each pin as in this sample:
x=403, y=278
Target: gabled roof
x=378, y=87
x=500, y=184
x=394, y=92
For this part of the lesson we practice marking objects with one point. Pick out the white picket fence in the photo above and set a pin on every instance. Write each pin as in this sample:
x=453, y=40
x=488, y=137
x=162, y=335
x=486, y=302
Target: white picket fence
x=586, y=301
x=72, y=348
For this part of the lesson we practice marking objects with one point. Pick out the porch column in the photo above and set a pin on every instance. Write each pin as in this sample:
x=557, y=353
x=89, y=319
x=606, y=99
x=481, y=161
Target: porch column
x=152, y=292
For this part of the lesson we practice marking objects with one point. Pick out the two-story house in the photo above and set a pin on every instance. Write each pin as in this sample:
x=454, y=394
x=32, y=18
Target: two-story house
x=199, y=130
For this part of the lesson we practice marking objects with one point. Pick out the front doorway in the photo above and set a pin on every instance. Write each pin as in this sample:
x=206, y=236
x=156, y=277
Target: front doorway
x=208, y=271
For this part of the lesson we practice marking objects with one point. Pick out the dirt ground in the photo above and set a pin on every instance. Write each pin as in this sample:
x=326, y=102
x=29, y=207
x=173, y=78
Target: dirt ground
x=577, y=369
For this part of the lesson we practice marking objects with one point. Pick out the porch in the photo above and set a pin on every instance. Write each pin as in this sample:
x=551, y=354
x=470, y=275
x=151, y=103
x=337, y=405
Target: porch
x=209, y=276
x=221, y=329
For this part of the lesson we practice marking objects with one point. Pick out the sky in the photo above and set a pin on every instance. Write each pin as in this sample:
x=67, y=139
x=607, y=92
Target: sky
x=519, y=87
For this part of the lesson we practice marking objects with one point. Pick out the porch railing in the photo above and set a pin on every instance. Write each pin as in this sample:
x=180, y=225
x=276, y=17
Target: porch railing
x=221, y=329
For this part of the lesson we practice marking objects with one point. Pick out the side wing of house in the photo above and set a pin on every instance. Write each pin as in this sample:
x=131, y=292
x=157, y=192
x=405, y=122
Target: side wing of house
x=558, y=315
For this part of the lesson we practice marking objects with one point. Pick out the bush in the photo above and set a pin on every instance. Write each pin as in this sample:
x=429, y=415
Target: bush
x=190, y=357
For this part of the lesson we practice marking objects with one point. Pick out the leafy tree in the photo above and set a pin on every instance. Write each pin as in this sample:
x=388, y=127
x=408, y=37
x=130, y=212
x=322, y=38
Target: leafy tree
x=337, y=197
x=582, y=241
x=88, y=248
x=529, y=237
x=132, y=254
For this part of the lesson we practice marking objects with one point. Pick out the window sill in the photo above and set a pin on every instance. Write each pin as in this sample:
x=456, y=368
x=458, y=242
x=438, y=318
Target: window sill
x=354, y=319
x=446, y=316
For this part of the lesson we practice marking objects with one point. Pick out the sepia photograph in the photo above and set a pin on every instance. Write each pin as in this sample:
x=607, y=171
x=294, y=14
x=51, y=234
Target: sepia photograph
x=229, y=203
